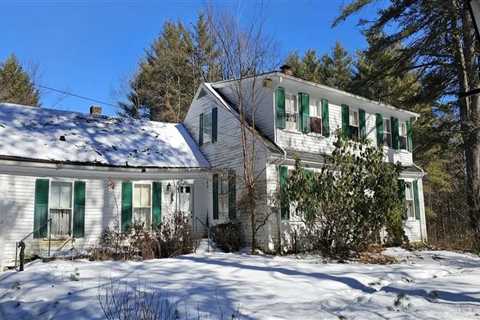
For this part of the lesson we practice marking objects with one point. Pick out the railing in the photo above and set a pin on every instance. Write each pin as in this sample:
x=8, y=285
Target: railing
x=206, y=225
x=21, y=244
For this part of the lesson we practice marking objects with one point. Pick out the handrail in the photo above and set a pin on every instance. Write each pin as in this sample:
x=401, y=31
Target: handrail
x=22, y=243
x=43, y=225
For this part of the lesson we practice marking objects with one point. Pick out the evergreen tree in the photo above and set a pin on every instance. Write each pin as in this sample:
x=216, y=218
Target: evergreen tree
x=442, y=48
x=334, y=69
x=167, y=79
x=16, y=86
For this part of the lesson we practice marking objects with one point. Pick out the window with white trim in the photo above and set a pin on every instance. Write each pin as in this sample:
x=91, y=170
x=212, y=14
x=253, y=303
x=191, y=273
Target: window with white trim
x=403, y=135
x=60, y=205
x=409, y=201
x=316, y=125
x=291, y=112
x=207, y=127
x=387, y=132
x=142, y=203
x=223, y=194
x=353, y=123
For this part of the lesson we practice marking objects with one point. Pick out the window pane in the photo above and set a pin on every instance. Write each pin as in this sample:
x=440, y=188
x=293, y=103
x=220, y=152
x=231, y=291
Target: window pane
x=207, y=127
x=403, y=129
x=136, y=196
x=146, y=196
x=353, y=118
x=61, y=195
x=141, y=196
x=410, y=210
x=408, y=191
x=386, y=125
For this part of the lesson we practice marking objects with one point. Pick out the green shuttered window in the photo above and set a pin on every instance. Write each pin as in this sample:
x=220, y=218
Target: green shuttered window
x=345, y=121
x=325, y=118
x=126, y=205
x=79, y=209
x=40, y=217
x=215, y=196
x=379, y=127
x=362, y=125
x=156, y=204
x=280, y=108
x=284, y=206
x=304, y=100
x=416, y=200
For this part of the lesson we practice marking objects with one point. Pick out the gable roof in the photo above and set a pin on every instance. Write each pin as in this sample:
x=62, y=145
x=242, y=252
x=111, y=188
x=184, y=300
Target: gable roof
x=230, y=106
x=39, y=134
x=331, y=90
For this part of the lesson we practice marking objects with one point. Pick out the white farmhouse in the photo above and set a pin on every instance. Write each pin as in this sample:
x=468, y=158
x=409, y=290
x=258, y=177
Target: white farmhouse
x=66, y=176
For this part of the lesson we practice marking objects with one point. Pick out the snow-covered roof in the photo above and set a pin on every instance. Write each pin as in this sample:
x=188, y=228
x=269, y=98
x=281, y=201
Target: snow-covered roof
x=71, y=137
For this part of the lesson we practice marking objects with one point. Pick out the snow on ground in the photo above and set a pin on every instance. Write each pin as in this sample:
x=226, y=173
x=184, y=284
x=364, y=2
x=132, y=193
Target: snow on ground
x=423, y=285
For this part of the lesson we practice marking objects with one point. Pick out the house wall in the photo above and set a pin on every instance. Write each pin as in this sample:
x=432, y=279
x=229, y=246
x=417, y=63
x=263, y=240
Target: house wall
x=102, y=206
x=226, y=153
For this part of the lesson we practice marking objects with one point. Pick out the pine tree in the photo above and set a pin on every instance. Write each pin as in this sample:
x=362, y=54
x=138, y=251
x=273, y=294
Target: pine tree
x=16, y=86
x=441, y=44
x=174, y=66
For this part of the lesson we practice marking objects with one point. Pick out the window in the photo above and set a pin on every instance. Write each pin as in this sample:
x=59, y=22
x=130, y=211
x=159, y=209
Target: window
x=207, y=127
x=387, y=132
x=403, y=135
x=223, y=195
x=142, y=203
x=316, y=125
x=291, y=112
x=409, y=201
x=60, y=208
x=353, y=124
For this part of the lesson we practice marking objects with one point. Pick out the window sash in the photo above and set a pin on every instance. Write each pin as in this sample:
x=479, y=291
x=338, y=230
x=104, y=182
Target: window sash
x=353, y=118
x=207, y=127
x=408, y=191
x=403, y=129
x=316, y=109
x=142, y=196
x=61, y=195
x=410, y=210
x=291, y=104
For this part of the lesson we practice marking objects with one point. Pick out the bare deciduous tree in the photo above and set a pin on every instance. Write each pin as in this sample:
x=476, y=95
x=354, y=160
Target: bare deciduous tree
x=245, y=53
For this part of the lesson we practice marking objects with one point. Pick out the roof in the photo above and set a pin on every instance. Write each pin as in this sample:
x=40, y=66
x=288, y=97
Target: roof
x=333, y=90
x=33, y=133
x=271, y=145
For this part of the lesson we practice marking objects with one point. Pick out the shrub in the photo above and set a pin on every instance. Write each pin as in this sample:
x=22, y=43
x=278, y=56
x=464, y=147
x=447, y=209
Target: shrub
x=227, y=236
x=345, y=205
x=174, y=236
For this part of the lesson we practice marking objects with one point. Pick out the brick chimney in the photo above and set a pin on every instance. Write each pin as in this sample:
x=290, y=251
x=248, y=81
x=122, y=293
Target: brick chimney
x=95, y=111
x=286, y=69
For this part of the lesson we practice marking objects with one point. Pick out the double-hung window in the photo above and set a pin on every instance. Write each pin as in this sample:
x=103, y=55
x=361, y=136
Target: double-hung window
x=142, y=203
x=403, y=135
x=60, y=208
x=316, y=125
x=207, y=127
x=223, y=195
x=291, y=112
x=409, y=201
x=387, y=132
x=353, y=124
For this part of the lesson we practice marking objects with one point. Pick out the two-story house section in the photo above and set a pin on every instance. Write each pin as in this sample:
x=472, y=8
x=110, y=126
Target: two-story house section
x=297, y=118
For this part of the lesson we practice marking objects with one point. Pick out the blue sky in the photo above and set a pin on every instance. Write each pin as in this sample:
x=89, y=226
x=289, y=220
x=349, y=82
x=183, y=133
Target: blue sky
x=91, y=47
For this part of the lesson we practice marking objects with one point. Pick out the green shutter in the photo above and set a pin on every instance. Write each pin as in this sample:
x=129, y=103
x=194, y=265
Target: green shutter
x=79, y=209
x=215, y=196
x=126, y=205
x=304, y=112
x=325, y=118
x=417, y=200
x=284, y=207
x=363, y=126
x=345, y=121
x=232, y=195
x=214, y=124
x=379, y=126
x=200, y=129
x=395, y=133
x=409, y=135
x=40, y=215
x=156, y=204
x=280, y=107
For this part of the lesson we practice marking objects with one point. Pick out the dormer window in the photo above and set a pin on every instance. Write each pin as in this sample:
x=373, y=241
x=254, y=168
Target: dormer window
x=291, y=112
x=353, y=124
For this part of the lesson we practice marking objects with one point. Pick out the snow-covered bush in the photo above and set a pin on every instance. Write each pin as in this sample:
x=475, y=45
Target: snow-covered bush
x=227, y=236
x=345, y=205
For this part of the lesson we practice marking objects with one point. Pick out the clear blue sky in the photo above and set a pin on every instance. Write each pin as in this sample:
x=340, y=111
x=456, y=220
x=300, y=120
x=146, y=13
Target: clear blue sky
x=91, y=47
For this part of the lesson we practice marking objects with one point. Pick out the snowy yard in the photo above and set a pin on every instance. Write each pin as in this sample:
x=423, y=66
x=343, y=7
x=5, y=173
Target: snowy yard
x=424, y=285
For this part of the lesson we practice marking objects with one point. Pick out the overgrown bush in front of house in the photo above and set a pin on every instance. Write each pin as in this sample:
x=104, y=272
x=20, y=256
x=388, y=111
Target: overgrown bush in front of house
x=227, y=236
x=346, y=204
x=170, y=238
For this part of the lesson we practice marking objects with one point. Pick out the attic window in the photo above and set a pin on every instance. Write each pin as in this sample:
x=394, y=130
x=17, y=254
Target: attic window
x=202, y=93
